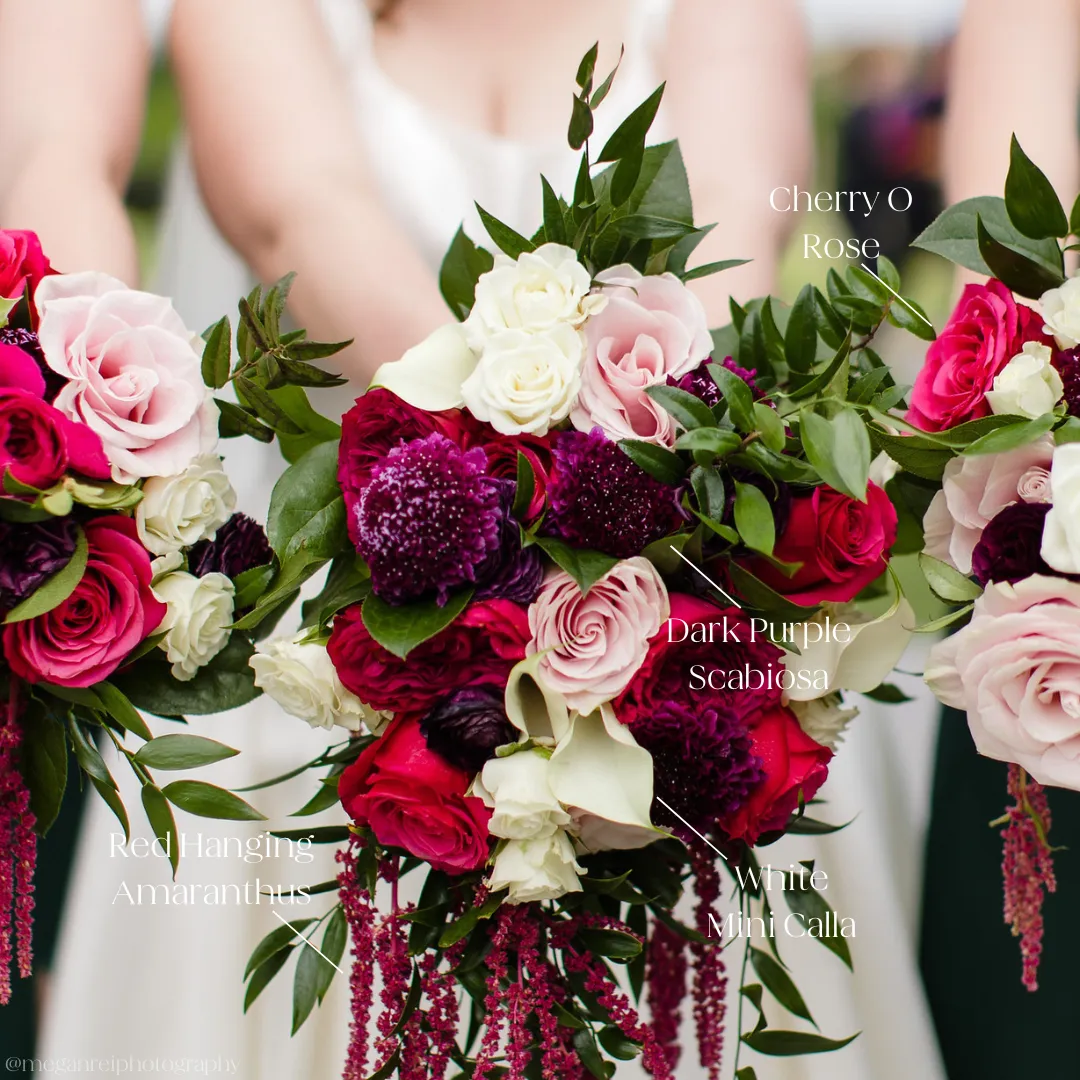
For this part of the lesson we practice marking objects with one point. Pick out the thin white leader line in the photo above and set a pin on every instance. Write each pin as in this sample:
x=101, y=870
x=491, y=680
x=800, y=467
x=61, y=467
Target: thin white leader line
x=308, y=941
x=898, y=296
x=706, y=577
x=690, y=827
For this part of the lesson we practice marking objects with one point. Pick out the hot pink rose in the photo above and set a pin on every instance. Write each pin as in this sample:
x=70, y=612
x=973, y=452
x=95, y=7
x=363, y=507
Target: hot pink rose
x=652, y=327
x=22, y=262
x=987, y=329
x=133, y=371
x=87, y=637
x=18, y=369
x=975, y=490
x=480, y=646
x=1015, y=669
x=38, y=444
x=502, y=452
x=411, y=798
x=597, y=641
x=794, y=765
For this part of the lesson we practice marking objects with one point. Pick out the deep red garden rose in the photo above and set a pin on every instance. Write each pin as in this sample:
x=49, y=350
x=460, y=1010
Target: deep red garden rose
x=377, y=423
x=843, y=545
x=412, y=798
x=112, y=609
x=986, y=330
x=22, y=262
x=20, y=371
x=674, y=660
x=480, y=646
x=793, y=763
x=38, y=444
x=502, y=452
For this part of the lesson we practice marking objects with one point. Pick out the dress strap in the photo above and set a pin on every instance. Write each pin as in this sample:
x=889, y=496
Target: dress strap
x=647, y=26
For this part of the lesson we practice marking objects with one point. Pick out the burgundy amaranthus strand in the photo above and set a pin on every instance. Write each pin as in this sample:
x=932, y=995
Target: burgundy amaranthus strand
x=395, y=971
x=665, y=972
x=710, y=979
x=498, y=965
x=360, y=915
x=18, y=853
x=1027, y=867
x=442, y=1013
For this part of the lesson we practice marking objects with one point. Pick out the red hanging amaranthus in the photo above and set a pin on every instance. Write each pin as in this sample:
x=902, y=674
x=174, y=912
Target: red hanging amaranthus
x=665, y=973
x=18, y=852
x=1028, y=868
x=710, y=979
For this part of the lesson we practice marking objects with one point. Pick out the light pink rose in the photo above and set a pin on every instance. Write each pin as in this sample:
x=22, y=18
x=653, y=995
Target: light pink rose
x=1015, y=669
x=599, y=640
x=974, y=491
x=133, y=372
x=1034, y=485
x=650, y=328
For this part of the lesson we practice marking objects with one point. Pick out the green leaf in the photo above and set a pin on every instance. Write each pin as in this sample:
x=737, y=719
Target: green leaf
x=234, y=420
x=554, y=224
x=746, y=1074
x=173, y=752
x=626, y=175
x=759, y=595
x=800, y=338
x=467, y=922
x=947, y=582
x=586, y=68
x=708, y=269
x=805, y=826
x=613, y=944
x=778, y=982
x=853, y=452
x=907, y=315
x=307, y=509
x=277, y=940
x=601, y=91
x=709, y=491
x=1018, y=272
x=461, y=268
x=736, y=394
x=754, y=518
x=651, y=227
x=632, y=131
x=44, y=765
x=315, y=428
x=886, y=270
x=584, y=566
x=217, y=353
x=938, y=625
x=323, y=799
x=121, y=710
x=205, y=800
x=821, y=441
x=617, y=1044
x=399, y=629
x=1033, y=205
x=811, y=904
x=689, y=411
x=333, y=948
x=888, y=694
x=768, y=422
x=657, y=461
x=513, y=243
x=86, y=754
x=55, y=590
x=1012, y=436
x=910, y=453
x=752, y=353
x=263, y=975
x=793, y=1043
x=251, y=584
x=718, y=441
x=584, y=1043
x=160, y=815
x=581, y=123
x=111, y=797
x=305, y=985
x=524, y=488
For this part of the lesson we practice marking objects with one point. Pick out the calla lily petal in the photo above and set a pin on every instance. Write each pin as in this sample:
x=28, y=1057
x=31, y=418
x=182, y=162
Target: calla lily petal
x=533, y=708
x=429, y=375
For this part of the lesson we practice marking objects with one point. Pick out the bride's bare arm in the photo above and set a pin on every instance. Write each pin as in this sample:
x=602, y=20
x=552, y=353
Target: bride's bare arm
x=739, y=93
x=72, y=86
x=282, y=169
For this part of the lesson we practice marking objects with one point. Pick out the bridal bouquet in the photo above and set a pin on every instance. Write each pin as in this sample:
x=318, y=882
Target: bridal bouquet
x=991, y=448
x=121, y=560
x=597, y=581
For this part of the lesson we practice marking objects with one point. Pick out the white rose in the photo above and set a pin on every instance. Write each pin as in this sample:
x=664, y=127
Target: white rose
x=196, y=624
x=526, y=382
x=429, y=375
x=178, y=511
x=882, y=469
x=824, y=719
x=533, y=293
x=302, y=680
x=1061, y=529
x=517, y=788
x=1028, y=385
x=133, y=373
x=534, y=870
x=1061, y=311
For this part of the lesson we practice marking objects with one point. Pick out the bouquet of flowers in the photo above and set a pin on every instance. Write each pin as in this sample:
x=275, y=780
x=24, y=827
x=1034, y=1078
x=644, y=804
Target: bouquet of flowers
x=597, y=581
x=122, y=562
x=990, y=450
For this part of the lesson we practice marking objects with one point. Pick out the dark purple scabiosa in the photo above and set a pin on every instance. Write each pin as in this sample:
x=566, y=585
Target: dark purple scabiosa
x=467, y=726
x=512, y=572
x=31, y=553
x=1010, y=545
x=700, y=382
x=704, y=766
x=1068, y=367
x=428, y=521
x=598, y=498
x=240, y=544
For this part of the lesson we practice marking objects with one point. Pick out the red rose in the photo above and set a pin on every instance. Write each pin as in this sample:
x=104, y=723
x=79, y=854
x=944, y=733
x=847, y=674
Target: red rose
x=411, y=798
x=502, y=452
x=987, y=329
x=793, y=763
x=843, y=545
x=377, y=423
x=480, y=646
x=87, y=637
x=666, y=673
x=38, y=444
x=22, y=262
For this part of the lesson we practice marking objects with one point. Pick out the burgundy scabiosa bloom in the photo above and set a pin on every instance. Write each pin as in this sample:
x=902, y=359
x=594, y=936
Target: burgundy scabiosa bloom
x=703, y=761
x=600, y=499
x=30, y=553
x=1009, y=547
x=467, y=726
x=240, y=544
x=701, y=384
x=1068, y=367
x=428, y=521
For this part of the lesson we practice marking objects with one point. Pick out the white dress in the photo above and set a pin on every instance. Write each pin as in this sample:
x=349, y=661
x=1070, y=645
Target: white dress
x=150, y=981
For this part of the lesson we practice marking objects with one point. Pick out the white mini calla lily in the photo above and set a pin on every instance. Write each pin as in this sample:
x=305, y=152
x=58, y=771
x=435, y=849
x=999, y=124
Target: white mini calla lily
x=861, y=663
x=429, y=375
x=536, y=710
